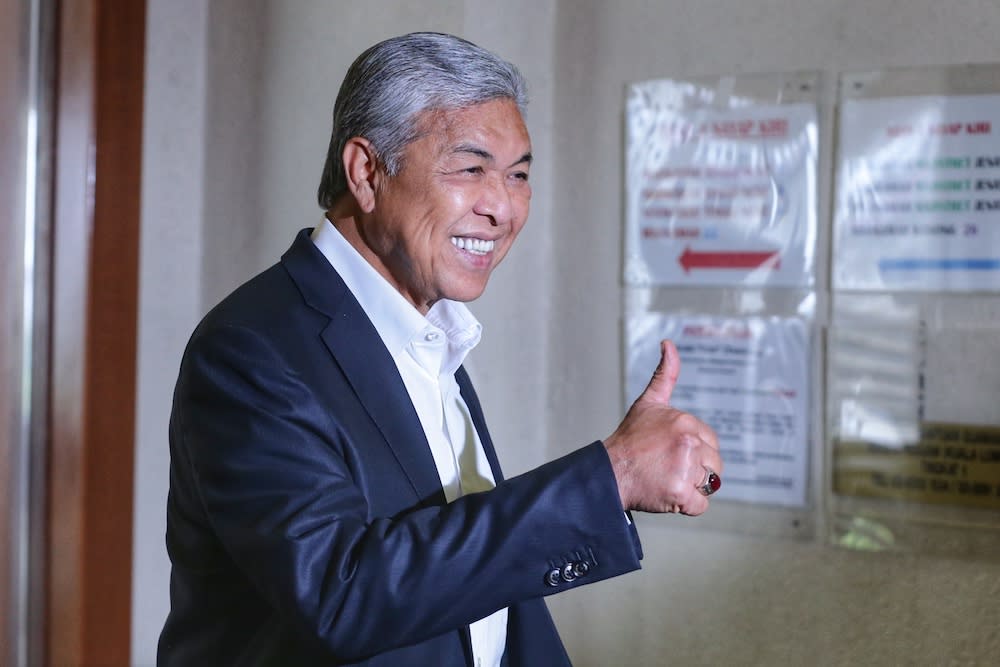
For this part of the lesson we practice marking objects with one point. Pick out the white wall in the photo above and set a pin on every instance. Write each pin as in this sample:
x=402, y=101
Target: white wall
x=704, y=596
x=239, y=96
x=174, y=184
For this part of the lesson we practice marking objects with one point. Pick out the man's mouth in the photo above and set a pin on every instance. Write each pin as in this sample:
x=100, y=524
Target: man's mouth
x=475, y=246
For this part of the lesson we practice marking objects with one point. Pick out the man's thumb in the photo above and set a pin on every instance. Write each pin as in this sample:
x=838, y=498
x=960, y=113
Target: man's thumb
x=661, y=386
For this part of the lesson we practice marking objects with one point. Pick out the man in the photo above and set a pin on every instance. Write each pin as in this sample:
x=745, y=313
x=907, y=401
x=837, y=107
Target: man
x=334, y=494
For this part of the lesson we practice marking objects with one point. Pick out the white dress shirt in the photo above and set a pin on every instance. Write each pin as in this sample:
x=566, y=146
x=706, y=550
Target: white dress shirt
x=427, y=351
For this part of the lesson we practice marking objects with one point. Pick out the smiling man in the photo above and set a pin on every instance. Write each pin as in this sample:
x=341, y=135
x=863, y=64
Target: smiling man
x=335, y=498
x=438, y=228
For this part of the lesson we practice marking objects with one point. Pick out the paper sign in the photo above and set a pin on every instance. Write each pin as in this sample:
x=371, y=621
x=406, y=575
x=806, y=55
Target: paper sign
x=748, y=379
x=719, y=196
x=918, y=194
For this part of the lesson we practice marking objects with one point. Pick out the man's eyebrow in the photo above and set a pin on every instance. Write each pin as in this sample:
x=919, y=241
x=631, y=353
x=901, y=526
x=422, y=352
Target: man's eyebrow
x=479, y=152
x=472, y=149
x=525, y=159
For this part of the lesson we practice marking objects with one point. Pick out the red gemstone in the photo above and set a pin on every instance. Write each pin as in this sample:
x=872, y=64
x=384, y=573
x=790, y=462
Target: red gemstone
x=714, y=482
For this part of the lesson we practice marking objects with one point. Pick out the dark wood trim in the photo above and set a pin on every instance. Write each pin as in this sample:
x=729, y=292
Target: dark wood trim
x=73, y=208
x=94, y=321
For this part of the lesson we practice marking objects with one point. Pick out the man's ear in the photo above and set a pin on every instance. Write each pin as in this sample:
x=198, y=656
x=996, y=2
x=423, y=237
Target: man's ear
x=360, y=169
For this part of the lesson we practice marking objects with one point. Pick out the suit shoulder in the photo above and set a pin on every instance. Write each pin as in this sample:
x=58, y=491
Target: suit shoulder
x=267, y=302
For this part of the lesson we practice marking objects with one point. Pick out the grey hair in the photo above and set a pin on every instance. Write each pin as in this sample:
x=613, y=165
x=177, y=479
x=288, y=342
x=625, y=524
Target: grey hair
x=393, y=83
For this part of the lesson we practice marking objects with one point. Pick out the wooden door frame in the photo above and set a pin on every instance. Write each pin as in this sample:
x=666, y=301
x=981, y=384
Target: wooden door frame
x=94, y=311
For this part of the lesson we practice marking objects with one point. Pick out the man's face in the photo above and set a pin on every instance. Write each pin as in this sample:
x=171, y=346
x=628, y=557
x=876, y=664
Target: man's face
x=443, y=223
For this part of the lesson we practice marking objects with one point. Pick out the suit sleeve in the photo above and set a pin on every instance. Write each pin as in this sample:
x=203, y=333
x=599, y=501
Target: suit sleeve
x=264, y=466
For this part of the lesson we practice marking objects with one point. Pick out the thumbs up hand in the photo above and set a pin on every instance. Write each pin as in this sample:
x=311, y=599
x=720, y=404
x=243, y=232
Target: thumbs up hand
x=661, y=456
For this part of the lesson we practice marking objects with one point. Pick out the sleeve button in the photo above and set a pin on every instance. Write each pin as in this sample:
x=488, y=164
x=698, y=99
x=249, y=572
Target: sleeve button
x=568, y=573
x=553, y=577
x=581, y=568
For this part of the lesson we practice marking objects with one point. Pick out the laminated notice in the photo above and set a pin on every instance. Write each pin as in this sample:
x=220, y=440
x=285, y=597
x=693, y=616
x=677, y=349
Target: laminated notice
x=719, y=196
x=747, y=378
x=918, y=194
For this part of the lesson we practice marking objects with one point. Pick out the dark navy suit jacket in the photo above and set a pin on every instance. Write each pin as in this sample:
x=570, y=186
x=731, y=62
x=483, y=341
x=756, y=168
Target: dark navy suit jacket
x=306, y=523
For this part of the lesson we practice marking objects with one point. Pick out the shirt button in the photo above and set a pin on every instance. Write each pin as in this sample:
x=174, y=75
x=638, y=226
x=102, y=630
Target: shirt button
x=431, y=336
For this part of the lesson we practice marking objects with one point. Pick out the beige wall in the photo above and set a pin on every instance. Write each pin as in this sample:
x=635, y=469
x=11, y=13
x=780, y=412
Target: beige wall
x=238, y=105
x=174, y=189
x=703, y=596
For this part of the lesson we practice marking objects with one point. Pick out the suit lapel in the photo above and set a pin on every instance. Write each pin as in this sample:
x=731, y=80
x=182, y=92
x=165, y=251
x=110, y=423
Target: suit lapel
x=478, y=420
x=358, y=350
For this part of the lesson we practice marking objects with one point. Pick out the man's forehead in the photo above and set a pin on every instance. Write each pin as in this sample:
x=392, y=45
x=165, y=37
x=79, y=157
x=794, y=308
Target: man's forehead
x=470, y=129
x=500, y=110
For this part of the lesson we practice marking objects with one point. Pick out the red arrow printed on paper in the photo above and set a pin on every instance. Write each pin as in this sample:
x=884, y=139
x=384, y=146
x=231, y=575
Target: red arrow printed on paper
x=691, y=259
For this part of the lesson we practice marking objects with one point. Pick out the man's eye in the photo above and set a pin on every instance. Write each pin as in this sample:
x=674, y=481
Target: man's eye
x=520, y=175
x=473, y=170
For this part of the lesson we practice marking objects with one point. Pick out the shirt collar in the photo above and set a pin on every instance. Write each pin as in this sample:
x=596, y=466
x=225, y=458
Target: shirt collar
x=400, y=325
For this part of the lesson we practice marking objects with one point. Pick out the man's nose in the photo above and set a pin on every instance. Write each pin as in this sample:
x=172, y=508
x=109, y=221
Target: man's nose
x=494, y=200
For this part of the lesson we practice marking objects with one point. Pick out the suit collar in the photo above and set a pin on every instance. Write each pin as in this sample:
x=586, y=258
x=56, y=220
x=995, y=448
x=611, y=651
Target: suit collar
x=318, y=282
x=367, y=365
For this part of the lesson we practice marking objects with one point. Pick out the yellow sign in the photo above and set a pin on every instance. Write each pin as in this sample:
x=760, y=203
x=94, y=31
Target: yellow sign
x=952, y=464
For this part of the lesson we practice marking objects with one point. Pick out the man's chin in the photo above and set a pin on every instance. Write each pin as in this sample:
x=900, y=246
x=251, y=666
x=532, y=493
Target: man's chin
x=466, y=293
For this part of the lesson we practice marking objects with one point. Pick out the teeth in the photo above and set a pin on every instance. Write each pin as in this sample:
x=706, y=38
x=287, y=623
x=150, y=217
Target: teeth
x=476, y=246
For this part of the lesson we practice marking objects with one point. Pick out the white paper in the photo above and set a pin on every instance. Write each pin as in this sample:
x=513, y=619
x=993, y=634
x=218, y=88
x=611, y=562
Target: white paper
x=719, y=196
x=748, y=379
x=918, y=194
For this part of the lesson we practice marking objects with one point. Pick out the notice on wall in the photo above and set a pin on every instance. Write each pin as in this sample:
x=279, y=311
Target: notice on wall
x=918, y=194
x=719, y=196
x=952, y=464
x=748, y=379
